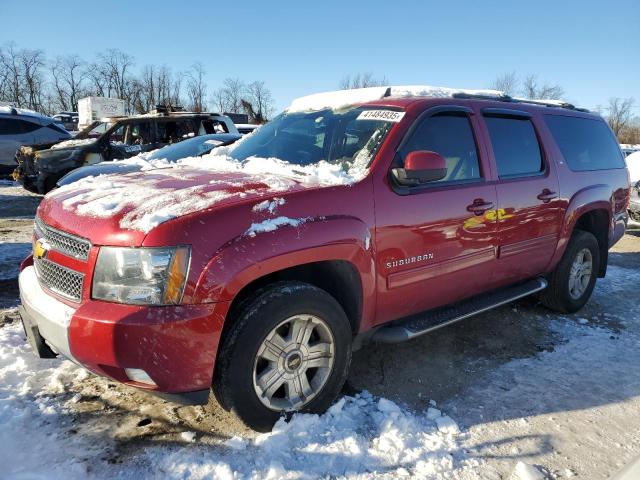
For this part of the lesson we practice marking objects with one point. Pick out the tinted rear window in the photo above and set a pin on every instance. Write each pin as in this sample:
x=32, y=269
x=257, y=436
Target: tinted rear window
x=586, y=144
x=515, y=146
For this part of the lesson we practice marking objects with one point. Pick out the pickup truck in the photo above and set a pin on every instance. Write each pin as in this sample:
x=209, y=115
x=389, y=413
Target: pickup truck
x=367, y=215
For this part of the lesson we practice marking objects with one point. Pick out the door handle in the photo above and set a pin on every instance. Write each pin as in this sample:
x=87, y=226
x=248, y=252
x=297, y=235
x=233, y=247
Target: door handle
x=547, y=195
x=479, y=206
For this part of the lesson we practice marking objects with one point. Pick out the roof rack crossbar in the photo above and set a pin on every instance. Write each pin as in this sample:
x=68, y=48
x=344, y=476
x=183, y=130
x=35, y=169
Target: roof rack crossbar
x=480, y=96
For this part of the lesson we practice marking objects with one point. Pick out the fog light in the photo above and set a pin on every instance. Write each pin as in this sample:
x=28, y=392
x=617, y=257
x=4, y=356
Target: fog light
x=138, y=375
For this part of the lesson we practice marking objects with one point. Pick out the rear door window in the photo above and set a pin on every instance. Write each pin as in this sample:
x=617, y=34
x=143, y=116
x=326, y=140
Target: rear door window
x=450, y=135
x=14, y=126
x=515, y=146
x=9, y=127
x=585, y=143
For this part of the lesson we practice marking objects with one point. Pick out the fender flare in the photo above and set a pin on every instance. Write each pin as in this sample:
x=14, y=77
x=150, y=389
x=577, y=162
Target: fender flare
x=245, y=259
x=595, y=197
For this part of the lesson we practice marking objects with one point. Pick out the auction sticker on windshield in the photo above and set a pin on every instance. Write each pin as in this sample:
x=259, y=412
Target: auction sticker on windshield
x=387, y=115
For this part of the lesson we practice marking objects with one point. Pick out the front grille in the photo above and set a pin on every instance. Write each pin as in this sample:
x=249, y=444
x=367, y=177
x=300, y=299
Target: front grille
x=59, y=279
x=66, y=243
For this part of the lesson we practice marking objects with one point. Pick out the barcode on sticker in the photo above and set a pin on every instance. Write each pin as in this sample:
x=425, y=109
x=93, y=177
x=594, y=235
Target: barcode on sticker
x=386, y=115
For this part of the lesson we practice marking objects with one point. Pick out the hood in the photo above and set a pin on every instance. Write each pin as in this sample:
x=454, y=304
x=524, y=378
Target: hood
x=74, y=143
x=102, y=168
x=122, y=209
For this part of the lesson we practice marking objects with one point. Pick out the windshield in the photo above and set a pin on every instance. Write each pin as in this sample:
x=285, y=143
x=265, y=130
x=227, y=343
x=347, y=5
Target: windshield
x=95, y=130
x=304, y=138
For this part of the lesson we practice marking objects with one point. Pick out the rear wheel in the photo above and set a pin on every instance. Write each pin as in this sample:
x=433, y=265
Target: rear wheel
x=288, y=349
x=573, y=280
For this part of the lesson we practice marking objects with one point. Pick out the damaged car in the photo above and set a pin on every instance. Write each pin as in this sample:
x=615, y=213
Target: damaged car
x=113, y=139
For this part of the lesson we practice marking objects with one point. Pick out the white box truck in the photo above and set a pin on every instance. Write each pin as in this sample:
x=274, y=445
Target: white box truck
x=91, y=109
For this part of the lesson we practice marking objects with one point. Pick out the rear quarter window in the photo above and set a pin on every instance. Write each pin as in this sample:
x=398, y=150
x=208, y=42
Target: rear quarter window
x=585, y=143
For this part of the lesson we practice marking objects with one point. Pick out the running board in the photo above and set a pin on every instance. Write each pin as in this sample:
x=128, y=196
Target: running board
x=416, y=325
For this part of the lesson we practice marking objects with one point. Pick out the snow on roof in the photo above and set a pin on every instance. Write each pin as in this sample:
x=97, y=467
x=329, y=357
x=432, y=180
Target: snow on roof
x=20, y=111
x=343, y=98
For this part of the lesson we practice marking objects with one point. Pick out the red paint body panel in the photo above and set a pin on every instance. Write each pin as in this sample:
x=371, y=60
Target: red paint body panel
x=412, y=252
x=176, y=346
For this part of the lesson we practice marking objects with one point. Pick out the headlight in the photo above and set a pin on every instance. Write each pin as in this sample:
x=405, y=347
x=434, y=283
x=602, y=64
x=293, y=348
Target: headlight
x=141, y=276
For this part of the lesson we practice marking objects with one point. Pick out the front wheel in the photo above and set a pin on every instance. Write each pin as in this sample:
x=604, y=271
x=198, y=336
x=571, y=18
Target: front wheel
x=288, y=349
x=573, y=280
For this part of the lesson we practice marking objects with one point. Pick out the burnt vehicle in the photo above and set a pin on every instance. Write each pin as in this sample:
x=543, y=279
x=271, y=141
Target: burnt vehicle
x=116, y=138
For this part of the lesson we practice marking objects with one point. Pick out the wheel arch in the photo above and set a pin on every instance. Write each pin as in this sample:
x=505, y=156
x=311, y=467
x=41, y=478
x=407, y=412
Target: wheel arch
x=589, y=210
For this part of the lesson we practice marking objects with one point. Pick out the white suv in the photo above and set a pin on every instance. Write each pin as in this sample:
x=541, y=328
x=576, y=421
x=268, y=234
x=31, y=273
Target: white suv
x=25, y=127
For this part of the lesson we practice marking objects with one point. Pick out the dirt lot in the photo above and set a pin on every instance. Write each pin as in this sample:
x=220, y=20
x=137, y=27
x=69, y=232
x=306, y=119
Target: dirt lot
x=523, y=384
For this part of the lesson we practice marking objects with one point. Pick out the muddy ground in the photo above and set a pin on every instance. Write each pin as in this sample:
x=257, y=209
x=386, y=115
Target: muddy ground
x=445, y=366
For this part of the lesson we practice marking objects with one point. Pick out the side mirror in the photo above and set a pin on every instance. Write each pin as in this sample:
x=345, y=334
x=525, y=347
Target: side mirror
x=421, y=166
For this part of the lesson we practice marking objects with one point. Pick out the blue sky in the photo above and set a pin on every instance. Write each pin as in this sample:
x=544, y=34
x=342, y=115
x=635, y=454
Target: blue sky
x=591, y=48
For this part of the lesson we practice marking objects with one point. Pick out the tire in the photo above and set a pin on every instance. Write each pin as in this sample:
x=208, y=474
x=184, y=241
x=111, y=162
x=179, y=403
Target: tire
x=559, y=295
x=279, y=310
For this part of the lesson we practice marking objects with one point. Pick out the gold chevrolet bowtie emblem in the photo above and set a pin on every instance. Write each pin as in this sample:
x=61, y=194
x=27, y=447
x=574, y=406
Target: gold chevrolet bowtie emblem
x=39, y=249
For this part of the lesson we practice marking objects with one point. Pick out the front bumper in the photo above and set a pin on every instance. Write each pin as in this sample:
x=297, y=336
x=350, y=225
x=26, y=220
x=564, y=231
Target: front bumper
x=175, y=346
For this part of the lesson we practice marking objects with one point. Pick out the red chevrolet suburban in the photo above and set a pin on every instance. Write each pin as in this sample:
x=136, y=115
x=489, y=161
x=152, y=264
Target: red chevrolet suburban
x=369, y=215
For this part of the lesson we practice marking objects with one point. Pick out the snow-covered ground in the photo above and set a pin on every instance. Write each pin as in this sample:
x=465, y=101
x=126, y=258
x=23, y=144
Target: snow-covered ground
x=521, y=394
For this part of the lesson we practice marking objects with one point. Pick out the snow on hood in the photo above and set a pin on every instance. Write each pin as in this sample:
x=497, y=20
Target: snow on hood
x=344, y=98
x=73, y=143
x=146, y=199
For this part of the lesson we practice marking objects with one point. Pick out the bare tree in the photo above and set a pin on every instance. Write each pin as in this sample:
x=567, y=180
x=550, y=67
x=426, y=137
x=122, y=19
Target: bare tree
x=631, y=133
x=68, y=75
x=620, y=114
x=261, y=100
x=507, y=82
x=361, y=80
x=197, y=88
x=534, y=89
x=98, y=76
x=32, y=63
x=228, y=98
x=117, y=65
x=12, y=80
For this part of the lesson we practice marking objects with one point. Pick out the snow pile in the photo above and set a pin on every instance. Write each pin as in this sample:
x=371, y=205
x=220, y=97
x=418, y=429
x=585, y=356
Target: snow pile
x=320, y=173
x=633, y=165
x=73, y=143
x=269, y=205
x=32, y=420
x=358, y=437
x=524, y=471
x=273, y=224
